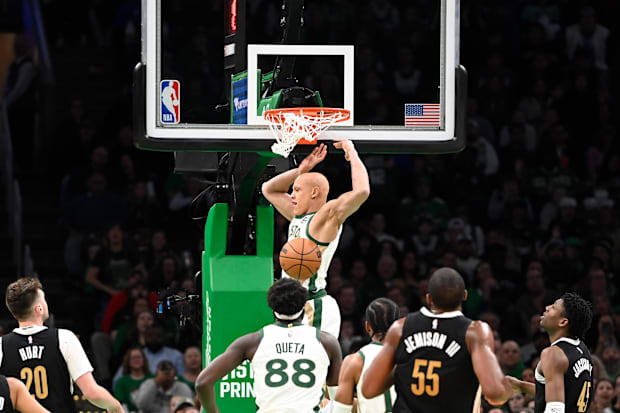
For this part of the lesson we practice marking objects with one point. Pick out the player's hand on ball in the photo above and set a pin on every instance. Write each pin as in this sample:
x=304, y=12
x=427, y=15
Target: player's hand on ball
x=346, y=145
x=313, y=159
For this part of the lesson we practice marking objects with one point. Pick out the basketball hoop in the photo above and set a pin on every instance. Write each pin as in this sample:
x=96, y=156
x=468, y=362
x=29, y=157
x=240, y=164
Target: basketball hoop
x=300, y=125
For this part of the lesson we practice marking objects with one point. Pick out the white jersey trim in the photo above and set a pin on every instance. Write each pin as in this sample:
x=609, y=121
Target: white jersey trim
x=448, y=314
x=573, y=341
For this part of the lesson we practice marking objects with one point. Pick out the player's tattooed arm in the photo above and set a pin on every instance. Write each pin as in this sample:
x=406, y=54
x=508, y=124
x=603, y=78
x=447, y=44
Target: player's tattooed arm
x=241, y=349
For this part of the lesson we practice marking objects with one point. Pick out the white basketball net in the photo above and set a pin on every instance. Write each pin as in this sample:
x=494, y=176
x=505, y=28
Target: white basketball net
x=290, y=127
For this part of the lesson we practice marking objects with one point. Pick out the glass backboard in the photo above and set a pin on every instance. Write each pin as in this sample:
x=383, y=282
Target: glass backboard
x=209, y=70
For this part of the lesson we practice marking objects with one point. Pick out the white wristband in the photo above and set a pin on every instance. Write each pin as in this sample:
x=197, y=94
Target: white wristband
x=554, y=407
x=338, y=407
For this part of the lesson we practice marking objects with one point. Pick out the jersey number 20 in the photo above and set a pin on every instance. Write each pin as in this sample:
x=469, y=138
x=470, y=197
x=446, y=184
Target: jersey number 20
x=38, y=375
x=423, y=377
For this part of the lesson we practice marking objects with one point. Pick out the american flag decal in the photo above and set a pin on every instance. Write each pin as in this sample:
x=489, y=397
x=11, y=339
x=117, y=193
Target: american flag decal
x=422, y=114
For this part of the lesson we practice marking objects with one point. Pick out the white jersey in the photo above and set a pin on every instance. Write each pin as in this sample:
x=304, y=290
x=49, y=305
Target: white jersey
x=290, y=367
x=299, y=228
x=377, y=404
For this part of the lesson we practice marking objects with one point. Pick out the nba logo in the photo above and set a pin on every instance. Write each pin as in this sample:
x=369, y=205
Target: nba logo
x=170, y=101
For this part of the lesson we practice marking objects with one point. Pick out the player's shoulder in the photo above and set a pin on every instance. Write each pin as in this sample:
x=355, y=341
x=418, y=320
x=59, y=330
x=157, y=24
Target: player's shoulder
x=553, y=358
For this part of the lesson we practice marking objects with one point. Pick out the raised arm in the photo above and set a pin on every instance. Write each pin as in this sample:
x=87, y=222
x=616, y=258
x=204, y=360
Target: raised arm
x=276, y=189
x=241, y=349
x=495, y=386
x=378, y=378
x=346, y=204
x=22, y=400
x=554, y=364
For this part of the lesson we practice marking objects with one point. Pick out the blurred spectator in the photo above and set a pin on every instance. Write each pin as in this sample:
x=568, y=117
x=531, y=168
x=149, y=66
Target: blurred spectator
x=536, y=297
x=120, y=307
x=603, y=395
x=133, y=332
x=135, y=370
x=516, y=403
x=466, y=262
x=157, y=351
x=480, y=291
x=424, y=240
x=166, y=275
x=181, y=404
x=192, y=361
x=113, y=265
x=589, y=38
x=19, y=100
x=154, y=394
x=539, y=340
x=510, y=359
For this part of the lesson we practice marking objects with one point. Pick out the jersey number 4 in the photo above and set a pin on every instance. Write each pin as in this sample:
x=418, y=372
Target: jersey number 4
x=424, y=377
x=582, y=403
x=303, y=376
x=38, y=375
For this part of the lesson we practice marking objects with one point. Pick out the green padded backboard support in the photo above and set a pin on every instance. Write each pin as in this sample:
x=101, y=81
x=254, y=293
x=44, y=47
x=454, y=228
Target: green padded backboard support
x=235, y=300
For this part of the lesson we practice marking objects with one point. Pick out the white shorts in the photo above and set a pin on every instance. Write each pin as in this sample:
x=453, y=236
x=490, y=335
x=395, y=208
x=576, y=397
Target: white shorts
x=324, y=314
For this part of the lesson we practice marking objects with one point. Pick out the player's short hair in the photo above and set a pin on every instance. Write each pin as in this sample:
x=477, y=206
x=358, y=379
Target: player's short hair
x=380, y=314
x=21, y=295
x=287, y=296
x=446, y=287
x=579, y=314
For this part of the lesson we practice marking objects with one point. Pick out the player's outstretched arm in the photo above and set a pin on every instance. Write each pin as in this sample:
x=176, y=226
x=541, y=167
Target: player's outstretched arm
x=349, y=202
x=22, y=400
x=276, y=189
x=554, y=363
x=241, y=349
x=495, y=386
x=98, y=395
x=379, y=376
x=520, y=386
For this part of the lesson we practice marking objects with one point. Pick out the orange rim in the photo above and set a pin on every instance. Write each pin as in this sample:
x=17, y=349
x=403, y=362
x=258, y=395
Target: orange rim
x=275, y=115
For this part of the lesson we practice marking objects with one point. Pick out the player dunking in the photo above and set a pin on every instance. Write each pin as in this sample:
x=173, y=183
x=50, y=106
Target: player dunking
x=291, y=361
x=312, y=217
x=14, y=396
x=48, y=360
x=380, y=314
x=442, y=358
x=564, y=373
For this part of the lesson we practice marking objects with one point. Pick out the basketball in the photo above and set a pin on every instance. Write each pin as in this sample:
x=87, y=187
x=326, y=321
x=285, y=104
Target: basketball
x=300, y=258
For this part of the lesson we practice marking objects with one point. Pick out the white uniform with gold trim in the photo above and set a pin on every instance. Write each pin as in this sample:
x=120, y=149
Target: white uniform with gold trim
x=290, y=367
x=321, y=309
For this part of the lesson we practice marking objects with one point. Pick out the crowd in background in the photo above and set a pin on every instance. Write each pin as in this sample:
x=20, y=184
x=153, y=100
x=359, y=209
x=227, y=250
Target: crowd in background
x=527, y=211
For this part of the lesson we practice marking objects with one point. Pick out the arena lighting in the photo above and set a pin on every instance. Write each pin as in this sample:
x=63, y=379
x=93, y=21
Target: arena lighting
x=233, y=16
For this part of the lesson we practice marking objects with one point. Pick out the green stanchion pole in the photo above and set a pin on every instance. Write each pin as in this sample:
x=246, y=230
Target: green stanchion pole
x=235, y=300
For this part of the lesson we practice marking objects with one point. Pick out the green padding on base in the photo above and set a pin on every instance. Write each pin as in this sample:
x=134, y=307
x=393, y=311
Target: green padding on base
x=235, y=300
